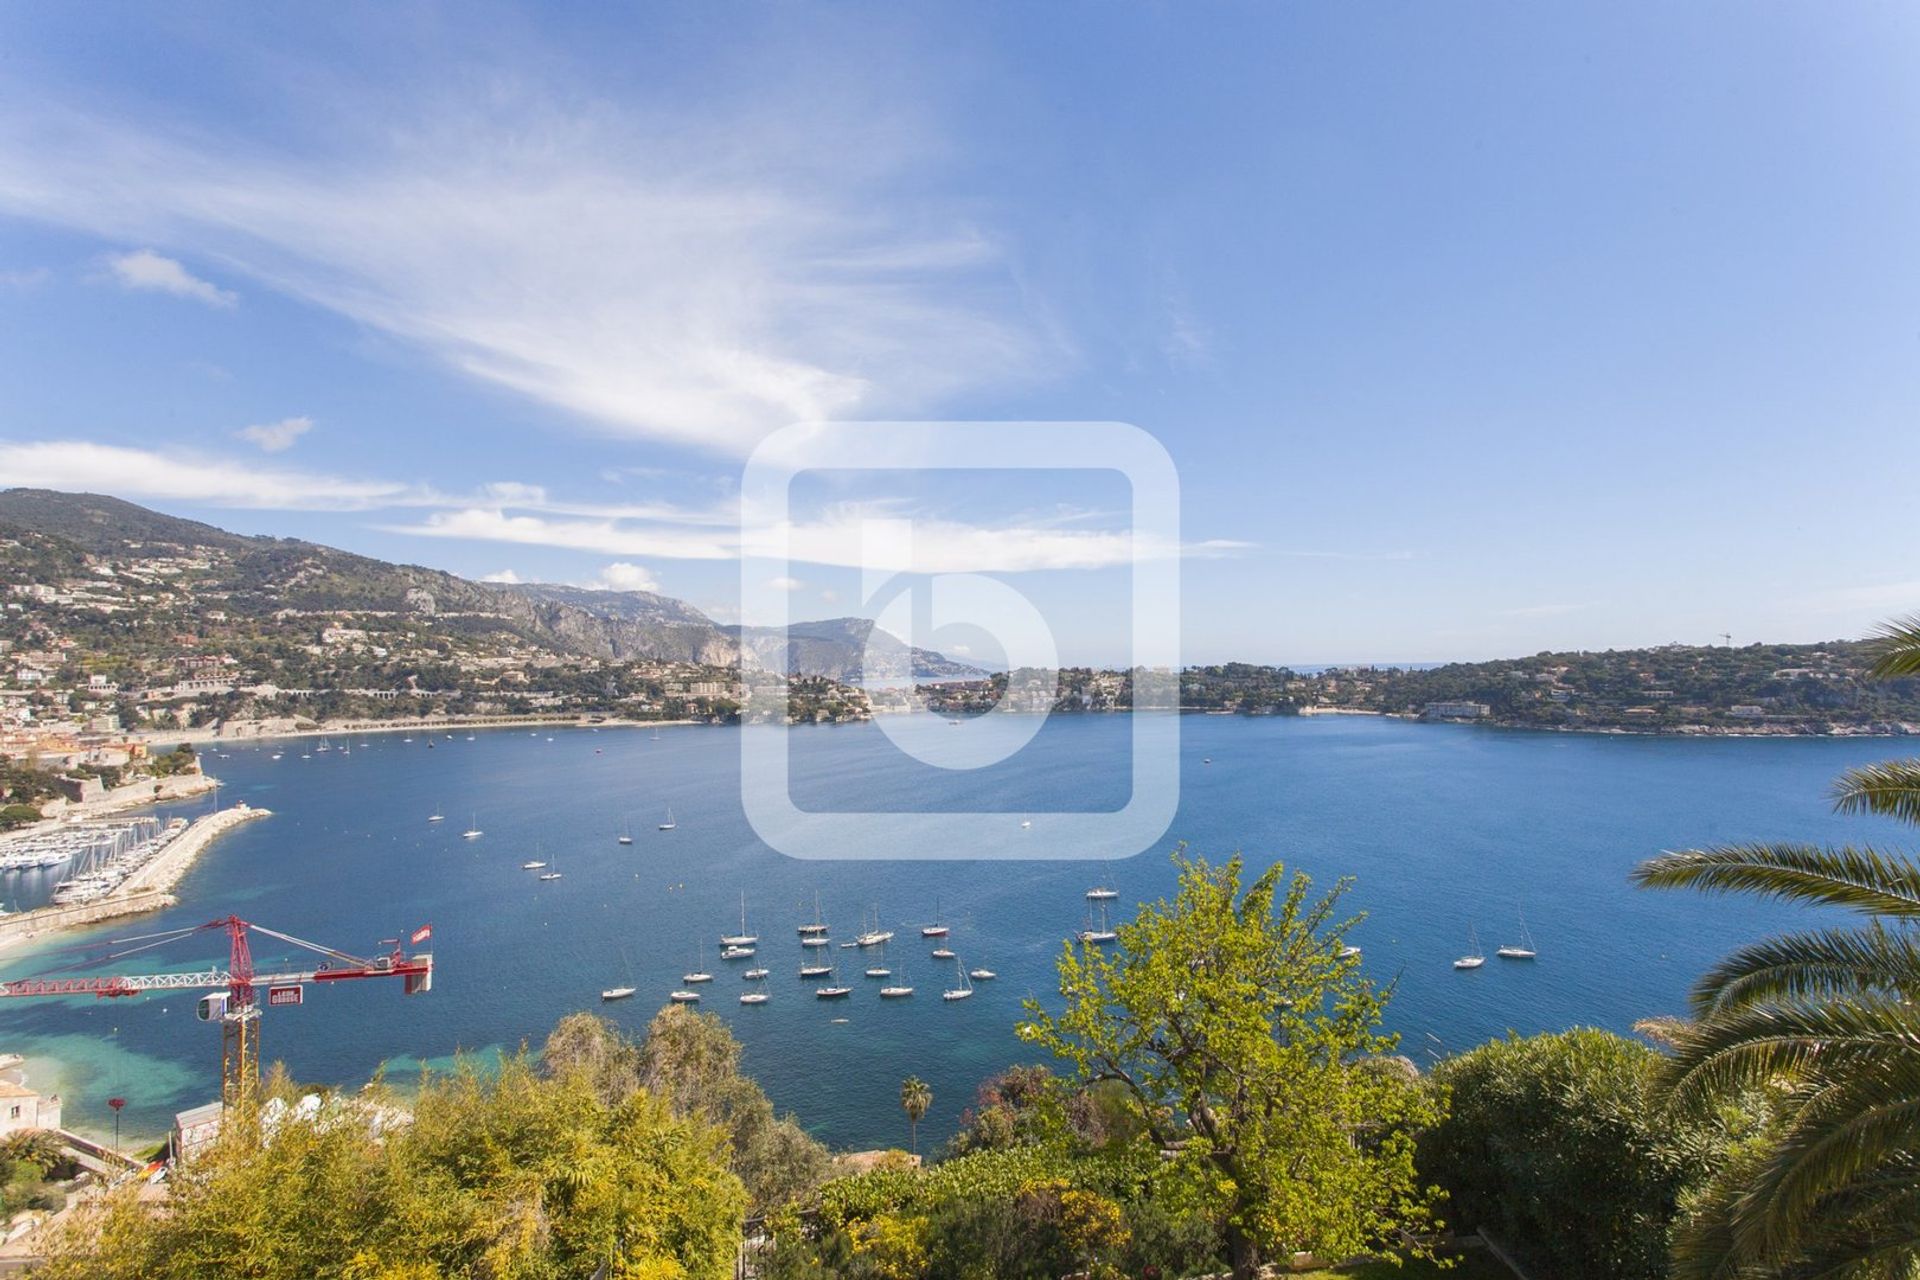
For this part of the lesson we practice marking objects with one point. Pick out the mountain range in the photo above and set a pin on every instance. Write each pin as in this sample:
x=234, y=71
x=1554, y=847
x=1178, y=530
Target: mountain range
x=260, y=574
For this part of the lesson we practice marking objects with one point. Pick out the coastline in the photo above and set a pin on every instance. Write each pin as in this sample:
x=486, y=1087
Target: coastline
x=415, y=724
x=148, y=889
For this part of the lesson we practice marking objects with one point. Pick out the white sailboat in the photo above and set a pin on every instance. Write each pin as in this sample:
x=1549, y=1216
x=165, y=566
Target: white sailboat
x=876, y=935
x=833, y=990
x=815, y=970
x=1524, y=949
x=698, y=974
x=742, y=938
x=534, y=865
x=962, y=992
x=755, y=974
x=626, y=834
x=880, y=969
x=938, y=929
x=1473, y=959
x=817, y=927
x=982, y=975
x=685, y=997
x=754, y=997
x=550, y=874
x=626, y=989
x=1102, y=935
x=669, y=824
x=942, y=953
x=436, y=815
x=473, y=831
x=899, y=988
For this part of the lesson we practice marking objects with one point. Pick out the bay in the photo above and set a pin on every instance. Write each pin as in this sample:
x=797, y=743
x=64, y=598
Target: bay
x=1440, y=826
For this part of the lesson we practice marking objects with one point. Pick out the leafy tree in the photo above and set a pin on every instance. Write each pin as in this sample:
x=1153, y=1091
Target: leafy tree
x=693, y=1062
x=1830, y=1017
x=915, y=1098
x=498, y=1176
x=1245, y=1038
x=1557, y=1143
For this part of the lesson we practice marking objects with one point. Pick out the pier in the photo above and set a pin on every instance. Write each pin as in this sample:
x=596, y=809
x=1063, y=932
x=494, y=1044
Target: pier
x=149, y=888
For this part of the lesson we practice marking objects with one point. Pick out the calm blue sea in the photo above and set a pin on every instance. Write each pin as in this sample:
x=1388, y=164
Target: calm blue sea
x=1441, y=827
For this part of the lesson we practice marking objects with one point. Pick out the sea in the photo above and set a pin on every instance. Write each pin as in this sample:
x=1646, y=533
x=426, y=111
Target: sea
x=1446, y=832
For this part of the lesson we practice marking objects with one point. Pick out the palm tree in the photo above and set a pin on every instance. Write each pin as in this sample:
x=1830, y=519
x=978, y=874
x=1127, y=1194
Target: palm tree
x=1830, y=1021
x=915, y=1098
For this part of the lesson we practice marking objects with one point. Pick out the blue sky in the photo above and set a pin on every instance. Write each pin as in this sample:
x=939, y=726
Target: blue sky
x=1472, y=330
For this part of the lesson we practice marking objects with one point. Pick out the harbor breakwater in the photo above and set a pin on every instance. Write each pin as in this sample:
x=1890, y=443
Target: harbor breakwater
x=148, y=889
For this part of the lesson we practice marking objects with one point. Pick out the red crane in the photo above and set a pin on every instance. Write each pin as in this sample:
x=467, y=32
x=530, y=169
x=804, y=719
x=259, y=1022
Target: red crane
x=233, y=1002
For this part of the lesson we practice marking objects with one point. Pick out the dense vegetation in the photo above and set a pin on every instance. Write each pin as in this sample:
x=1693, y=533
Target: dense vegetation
x=1826, y=1019
x=1558, y=1145
x=527, y=1172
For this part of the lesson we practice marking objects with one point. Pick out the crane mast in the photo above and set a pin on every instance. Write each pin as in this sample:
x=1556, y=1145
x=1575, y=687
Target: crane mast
x=234, y=1000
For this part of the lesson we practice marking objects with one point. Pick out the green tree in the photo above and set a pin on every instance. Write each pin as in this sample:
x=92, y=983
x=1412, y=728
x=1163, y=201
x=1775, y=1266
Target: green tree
x=1250, y=1045
x=692, y=1061
x=915, y=1098
x=1558, y=1144
x=1829, y=1017
x=507, y=1175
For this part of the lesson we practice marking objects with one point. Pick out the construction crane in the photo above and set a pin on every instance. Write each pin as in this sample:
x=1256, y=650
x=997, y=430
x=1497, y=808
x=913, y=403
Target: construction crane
x=232, y=1001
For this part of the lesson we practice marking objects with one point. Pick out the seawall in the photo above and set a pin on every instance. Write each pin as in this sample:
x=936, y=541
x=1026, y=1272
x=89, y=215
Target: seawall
x=148, y=889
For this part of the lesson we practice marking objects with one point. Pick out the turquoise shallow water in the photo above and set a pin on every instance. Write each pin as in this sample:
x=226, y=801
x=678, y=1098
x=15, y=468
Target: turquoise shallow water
x=1441, y=826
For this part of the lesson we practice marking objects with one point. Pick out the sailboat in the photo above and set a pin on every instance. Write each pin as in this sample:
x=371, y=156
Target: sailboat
x=1524, y=951
x=815, y=970
x=938, y=928
x=942, y=953
x=1473, y=959
x=755, y=974
x=669, y=824
x=436, y=815
x=1103, y=934
x=621, y=992
x=833, y=990
x=473, y=832
x=685, y=997
x=962, y=992
x=697, y=975
x=535, y=865
x=880, y=970
x=876, y=935
x=754, y=997
x=818, y=927
x=982, y=975
x=549, y=873
x=626, y=835
x=742, y=938
x=899, y=988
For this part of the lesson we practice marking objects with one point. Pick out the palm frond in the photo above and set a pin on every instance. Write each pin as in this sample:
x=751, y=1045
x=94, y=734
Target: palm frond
x=1864, y=879
x=1764, y=1044
x=1898, y=646
x=1890, y=789
x=1854, y=1135
x=1832, y=964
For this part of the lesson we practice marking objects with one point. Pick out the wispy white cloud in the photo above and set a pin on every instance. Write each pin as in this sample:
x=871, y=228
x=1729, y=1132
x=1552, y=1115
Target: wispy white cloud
x=24, y=279
x=143, y=269
x=506, y=577
x=692, y=282
x=212, y=481
x=784, y=583
x=842, y=536
x=276, y=437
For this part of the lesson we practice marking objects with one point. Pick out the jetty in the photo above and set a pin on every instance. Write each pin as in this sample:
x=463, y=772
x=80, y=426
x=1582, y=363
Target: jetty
x=147, y=889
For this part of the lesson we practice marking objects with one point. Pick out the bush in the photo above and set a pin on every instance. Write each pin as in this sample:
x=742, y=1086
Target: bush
x=1556, y=1145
